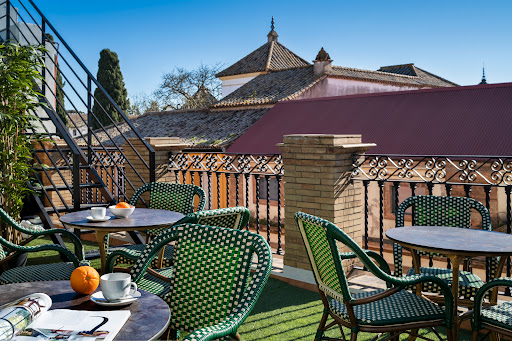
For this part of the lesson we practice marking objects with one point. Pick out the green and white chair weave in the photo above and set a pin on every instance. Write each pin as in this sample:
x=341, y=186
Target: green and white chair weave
x=231, y=217
x=494, y=318
x=395, y=309
x=164, y=196
x=41, y=272
x=212, y=290
x=443, y=211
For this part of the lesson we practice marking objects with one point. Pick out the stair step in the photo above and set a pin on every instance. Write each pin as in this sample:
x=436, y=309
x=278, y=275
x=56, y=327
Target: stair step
x=82, y=207
x=49, y=168
x=66, y=188
x=94, y=254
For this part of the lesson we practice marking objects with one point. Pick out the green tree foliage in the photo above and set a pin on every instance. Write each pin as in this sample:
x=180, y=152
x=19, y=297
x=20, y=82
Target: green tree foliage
x=111, y=78
x=18, y=100
x=60, y=99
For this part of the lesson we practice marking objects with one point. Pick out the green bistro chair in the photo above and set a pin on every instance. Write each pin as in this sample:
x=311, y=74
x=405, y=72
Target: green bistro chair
x=231, y=217
x=393, y=310
x=41, y=272
x=212, y=290
x=443, y=211
x=495, y=318
x=164, y=196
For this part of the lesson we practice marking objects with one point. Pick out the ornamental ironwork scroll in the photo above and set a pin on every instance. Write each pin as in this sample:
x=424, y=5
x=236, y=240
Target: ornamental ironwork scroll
x=228, y=163
x=493, y=171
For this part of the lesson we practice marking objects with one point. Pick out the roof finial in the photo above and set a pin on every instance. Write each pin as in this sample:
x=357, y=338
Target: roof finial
x=484, y=81
x=272, y=35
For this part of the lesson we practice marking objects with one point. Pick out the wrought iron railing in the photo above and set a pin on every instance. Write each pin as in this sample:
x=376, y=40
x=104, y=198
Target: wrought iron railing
x=389, y=179
x=254, y=181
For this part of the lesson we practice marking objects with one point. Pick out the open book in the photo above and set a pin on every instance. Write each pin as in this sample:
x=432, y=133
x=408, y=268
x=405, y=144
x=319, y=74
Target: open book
x=30, y=319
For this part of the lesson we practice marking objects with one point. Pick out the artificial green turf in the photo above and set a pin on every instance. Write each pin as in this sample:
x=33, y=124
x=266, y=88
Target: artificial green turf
x=283, y=312
x=45, y=257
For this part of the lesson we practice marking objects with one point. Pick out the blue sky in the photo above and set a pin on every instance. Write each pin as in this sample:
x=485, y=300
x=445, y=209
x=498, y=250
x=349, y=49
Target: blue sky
x=448, y=38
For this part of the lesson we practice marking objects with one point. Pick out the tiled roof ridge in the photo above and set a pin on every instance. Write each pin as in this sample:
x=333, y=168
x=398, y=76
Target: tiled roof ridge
x=177, y=111
x=294, y=54
x=376, y=72
x=436, y=76
x=301, y=91
x=269, y=57
x=416, y=92
x=271, y=46
x=227, y=102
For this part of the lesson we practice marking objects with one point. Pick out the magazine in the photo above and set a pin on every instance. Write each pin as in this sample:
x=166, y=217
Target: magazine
x=30, y=318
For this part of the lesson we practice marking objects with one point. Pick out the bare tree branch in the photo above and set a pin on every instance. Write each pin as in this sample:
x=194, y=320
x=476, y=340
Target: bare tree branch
x=190, y=89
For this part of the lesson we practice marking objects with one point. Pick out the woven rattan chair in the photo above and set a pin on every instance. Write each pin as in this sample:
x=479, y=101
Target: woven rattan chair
x=393, y=310
x=494, y=318
x=41, y=272
x=443, y=211
x=231, y=217
x=164, y=196
x=212, y=290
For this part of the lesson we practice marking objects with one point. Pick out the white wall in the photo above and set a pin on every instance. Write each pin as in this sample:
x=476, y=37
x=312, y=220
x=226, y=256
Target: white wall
x=230, y=84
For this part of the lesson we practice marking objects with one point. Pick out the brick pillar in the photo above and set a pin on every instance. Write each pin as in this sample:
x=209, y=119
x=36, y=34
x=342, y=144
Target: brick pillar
x=317, y=181
x=162, y=147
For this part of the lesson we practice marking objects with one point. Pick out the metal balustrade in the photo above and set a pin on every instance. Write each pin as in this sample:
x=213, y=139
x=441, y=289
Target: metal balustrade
x=389, y=179
x=253, y=181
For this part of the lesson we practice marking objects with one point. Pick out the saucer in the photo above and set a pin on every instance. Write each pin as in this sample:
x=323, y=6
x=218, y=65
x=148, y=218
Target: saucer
x=98, y=298
x=94, y=220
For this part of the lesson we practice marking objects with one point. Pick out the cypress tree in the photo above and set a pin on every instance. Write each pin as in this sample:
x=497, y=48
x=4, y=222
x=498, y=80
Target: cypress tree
x=110, y=77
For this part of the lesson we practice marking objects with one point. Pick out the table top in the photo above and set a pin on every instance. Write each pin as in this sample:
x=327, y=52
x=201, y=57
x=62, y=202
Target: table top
x=141, y=218
x=149, y=314
x=453, y=240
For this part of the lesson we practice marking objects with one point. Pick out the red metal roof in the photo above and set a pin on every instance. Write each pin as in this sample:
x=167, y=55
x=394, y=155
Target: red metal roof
x=466, y=120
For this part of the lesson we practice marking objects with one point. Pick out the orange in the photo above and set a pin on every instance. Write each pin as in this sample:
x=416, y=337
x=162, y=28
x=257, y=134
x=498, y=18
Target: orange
x=84, y=280
x=123, y=204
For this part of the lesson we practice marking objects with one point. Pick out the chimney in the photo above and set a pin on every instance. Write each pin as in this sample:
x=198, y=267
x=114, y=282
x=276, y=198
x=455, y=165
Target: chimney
x=322, y=63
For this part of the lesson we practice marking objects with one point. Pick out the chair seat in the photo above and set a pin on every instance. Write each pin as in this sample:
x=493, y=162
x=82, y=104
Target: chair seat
x=155, y=285
x=468, y=283
x=401, y=307
x=34, y=273
x=498, y=315
x=136, y=250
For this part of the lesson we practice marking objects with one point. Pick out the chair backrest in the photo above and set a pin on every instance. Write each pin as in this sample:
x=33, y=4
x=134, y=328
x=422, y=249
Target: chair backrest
x=172, y=197
x=212, y=272
x=429, y=210
x=323, y=262
x=230, y=217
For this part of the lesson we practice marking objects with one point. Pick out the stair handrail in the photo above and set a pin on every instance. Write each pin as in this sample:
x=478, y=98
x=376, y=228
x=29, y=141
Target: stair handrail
x=92, y=78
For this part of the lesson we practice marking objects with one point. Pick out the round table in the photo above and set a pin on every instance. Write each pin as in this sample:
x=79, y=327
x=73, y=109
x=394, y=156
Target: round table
x=149, y=314
x=140, y=219
x=456, y=244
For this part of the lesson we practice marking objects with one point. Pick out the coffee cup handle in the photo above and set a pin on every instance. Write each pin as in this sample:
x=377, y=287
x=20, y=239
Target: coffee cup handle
x=133, y=288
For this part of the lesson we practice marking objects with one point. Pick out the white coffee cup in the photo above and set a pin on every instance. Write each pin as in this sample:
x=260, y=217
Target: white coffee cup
x=117, y=285
x=98, y=212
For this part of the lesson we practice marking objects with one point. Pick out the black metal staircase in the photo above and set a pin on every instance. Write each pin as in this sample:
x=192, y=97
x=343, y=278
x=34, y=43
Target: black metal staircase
x=91, y=169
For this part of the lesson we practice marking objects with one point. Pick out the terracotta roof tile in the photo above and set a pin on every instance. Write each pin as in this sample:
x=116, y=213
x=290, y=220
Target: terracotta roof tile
x=271, y=56
x=271, y=87
x=423, y=78
x=197, y=128
x=412, y=70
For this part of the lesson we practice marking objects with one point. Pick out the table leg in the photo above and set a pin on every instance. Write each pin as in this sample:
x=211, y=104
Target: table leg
x=100, y=235
x=455, y=260
x=416, y=262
